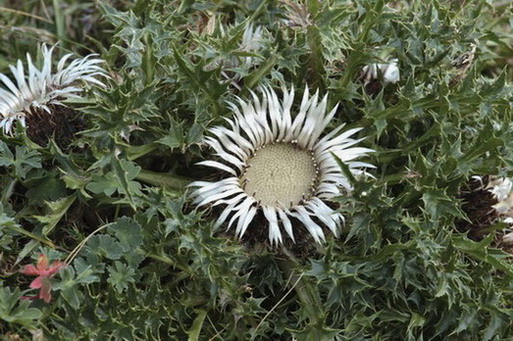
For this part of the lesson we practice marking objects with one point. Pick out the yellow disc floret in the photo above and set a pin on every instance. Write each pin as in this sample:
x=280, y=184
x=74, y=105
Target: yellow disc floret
x=280, y=173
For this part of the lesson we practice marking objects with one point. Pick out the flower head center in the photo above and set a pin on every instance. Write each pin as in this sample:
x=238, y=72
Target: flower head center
x=280, y=173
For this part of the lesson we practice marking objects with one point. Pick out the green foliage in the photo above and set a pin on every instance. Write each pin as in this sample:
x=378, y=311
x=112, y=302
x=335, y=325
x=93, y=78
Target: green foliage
x=16, y=311
x=22, y=161
x=145, y=265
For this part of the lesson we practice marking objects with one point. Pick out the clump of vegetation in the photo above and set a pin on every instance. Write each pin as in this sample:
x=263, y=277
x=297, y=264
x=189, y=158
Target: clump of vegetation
x=100, y=237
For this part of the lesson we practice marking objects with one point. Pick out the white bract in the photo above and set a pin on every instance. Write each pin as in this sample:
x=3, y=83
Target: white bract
x=390, y=72
x=501, y=189
x=281, y=165
x=40, y=88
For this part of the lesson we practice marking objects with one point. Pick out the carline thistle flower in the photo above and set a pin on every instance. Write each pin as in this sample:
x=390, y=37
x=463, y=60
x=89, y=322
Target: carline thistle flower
x=39, y=89
x=281, y=165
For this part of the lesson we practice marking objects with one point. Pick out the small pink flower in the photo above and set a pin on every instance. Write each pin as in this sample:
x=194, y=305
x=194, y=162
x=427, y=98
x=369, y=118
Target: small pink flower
x=43, y=273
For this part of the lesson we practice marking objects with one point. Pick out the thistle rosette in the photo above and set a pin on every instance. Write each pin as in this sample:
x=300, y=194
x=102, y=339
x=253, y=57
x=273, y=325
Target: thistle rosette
x=41, y=88
x=281, y=165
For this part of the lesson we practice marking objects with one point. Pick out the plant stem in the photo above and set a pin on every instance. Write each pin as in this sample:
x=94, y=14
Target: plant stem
x=175, y=182
x=305, y=290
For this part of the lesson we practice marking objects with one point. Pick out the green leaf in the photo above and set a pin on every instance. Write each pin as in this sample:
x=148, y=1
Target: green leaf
x=345, y=169
x=482, y=147
x=174, y=138
x=195, y=330
x=6, y=222
x=255, y=77
x=106, y=246
x=85, y=274
x=67, y=286
x=49, y=188
x=491, y=331
x=480, y=252
x=195, y=133
x=15, y=310
x=24, y=161
x=57, y=209
x=76, y=182
x=125, y=170
x=106, y=184
x=172, y=225
x=128, y=232
x=314, y=40
x=6, y=157
x=120, y=275
x=416, y=321
x=120, y=180
x=438, y=204
x=164, y=180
